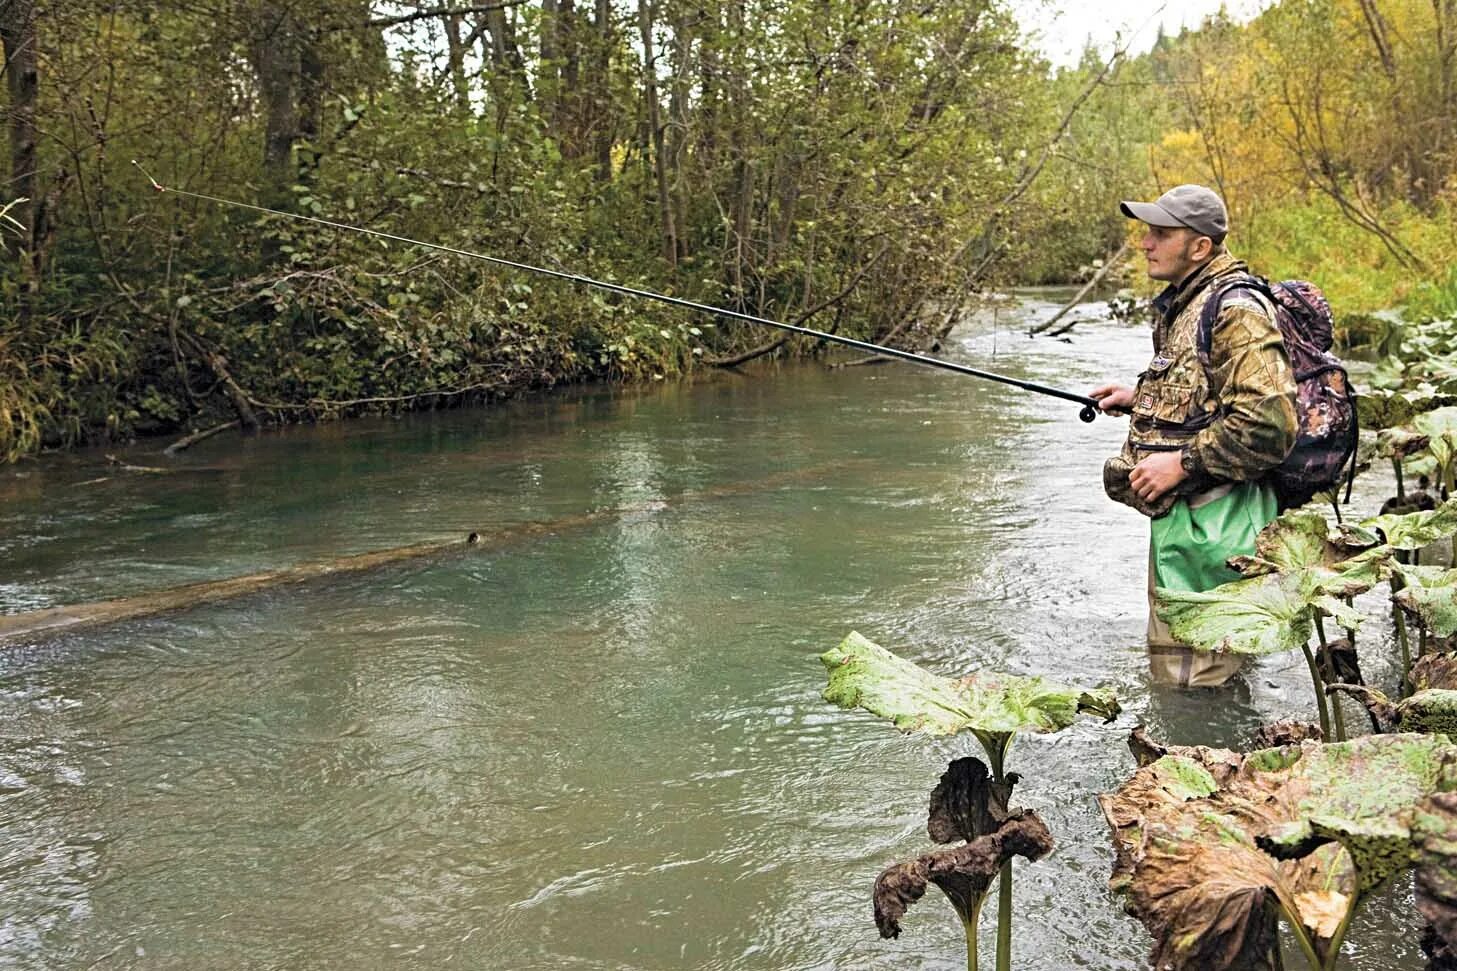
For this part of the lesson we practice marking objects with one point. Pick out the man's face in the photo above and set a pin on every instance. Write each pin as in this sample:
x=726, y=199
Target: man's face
x=1172, y=253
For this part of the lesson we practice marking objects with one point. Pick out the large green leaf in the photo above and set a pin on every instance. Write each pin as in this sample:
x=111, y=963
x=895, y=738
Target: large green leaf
x=1303, y=541
x=862, y=674
x=1359, y=793
x=1430, y=594
x=1207, y=859
x=1294, y=541
x=1414, y=530
x=1261, y=615
x=1440, y=426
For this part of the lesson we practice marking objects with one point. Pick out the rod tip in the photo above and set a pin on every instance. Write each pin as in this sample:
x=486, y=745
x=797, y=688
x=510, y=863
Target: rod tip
x=155, y=184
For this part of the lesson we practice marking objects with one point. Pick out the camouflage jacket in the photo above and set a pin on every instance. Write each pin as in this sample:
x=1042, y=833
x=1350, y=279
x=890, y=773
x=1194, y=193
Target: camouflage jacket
x=1233, y=416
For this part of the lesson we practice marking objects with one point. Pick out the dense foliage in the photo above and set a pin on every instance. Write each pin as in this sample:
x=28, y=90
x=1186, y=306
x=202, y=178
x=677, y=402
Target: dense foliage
x=857, y=166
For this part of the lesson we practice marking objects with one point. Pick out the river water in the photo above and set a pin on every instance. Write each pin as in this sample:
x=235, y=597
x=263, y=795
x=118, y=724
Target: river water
x=601, y=746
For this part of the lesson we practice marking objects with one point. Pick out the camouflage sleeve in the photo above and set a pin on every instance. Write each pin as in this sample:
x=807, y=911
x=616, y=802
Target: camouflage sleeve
x=1251, y=374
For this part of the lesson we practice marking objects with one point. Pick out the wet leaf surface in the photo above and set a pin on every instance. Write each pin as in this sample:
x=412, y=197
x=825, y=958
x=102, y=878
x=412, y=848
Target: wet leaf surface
x=1385, y=409
x=1434, y=828
x=863, y=674
x=1412, y=531
x=1430, y=595
x=1262, y=615
x=1281, y=733
x=1300, y=565
x=1398, y=443
x=1207, y=865
x=1432, y=710
x=1434, y=671
x=966, y=803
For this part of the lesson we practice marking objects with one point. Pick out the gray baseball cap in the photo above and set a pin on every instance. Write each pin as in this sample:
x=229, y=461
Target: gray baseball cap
x=1191, y=206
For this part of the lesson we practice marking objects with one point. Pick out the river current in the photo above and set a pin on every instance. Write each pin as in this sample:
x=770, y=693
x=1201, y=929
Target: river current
x=601, y=746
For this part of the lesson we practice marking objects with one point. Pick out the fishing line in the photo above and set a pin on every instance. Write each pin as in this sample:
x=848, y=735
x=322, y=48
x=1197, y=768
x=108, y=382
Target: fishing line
x=1088, y=412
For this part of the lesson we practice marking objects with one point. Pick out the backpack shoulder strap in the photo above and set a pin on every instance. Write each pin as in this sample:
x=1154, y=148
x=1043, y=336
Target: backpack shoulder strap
x=1209, y=313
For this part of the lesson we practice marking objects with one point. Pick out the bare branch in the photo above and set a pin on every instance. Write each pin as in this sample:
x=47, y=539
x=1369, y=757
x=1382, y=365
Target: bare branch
x=410, y=18
x=1108, y=264
x=774, y=345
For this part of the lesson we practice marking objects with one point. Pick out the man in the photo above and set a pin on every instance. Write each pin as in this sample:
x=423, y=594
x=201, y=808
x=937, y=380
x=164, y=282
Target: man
x=1202, y=434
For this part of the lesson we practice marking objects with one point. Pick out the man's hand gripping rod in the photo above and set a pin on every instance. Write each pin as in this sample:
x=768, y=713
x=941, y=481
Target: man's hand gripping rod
x=1087, y=414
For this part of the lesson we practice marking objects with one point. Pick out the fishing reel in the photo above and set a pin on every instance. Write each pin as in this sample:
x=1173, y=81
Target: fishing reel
x=1087, y=414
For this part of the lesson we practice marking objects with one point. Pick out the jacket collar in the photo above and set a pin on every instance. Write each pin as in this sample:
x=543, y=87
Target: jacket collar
x=1175, y=297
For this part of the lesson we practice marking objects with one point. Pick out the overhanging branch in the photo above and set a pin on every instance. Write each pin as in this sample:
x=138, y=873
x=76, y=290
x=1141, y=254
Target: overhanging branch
x=410, y=18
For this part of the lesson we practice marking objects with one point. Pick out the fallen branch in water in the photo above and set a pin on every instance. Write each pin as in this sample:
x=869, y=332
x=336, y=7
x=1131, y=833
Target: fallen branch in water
x=187, y=441
x=122, y=465
x=1097, y=278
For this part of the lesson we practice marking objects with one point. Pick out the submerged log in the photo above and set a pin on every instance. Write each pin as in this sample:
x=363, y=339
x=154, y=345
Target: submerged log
x=53, y=621
x=37, y=625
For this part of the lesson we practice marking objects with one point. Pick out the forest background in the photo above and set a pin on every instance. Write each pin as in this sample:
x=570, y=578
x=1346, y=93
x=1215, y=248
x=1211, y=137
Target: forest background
x=860, y=166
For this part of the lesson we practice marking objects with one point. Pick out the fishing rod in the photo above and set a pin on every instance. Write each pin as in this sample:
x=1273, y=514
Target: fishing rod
x=1088, y=412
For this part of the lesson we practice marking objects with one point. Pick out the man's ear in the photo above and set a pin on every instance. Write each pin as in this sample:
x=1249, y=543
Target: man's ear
x=1202, y=249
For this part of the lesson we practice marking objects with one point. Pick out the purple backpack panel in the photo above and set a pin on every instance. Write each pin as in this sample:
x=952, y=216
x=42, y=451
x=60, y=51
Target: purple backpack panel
x=1325, y=403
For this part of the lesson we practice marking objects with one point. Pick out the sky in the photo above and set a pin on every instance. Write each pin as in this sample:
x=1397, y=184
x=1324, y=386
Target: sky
x=1062, y=27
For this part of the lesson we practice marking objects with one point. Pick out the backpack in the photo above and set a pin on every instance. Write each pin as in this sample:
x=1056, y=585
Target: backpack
x=1325, y=403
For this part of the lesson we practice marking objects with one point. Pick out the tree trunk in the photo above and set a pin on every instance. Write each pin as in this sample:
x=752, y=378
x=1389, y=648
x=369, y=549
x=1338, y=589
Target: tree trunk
x=601, y=91
x=548, y=68
x=506, y=56
x=310, y=111
x=678, y=132
x=1446, y=37
x=655, y=131
x=275, y=58
x=570, y=107
x=22, y=74
x=455, y=50
x=742, y=196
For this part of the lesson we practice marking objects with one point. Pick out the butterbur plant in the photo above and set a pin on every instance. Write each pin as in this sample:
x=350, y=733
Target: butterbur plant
x=1425, y=592
x=994, y=708
x=1440, y=428
x=1397, y=444
x=1215, y=847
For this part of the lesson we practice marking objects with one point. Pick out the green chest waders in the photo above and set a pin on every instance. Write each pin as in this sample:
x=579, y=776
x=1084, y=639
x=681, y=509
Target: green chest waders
x=1187, y=549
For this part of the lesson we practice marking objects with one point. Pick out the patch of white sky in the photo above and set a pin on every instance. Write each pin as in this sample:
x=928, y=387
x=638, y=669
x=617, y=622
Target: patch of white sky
x=1062, y=29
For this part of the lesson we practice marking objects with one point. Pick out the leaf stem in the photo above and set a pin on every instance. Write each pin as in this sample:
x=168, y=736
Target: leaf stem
x=1307, y=948
x=1333, y=949
x=1405, y=653
x=1329, y=676
x=997, y=754
x=1325, y=718
x=970, y=923
x=1400, y=484
x=1399, y=616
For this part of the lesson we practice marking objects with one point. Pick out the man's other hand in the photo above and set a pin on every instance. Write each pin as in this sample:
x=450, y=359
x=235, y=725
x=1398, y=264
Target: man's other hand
x=1115, y=399
x=1157, y=474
